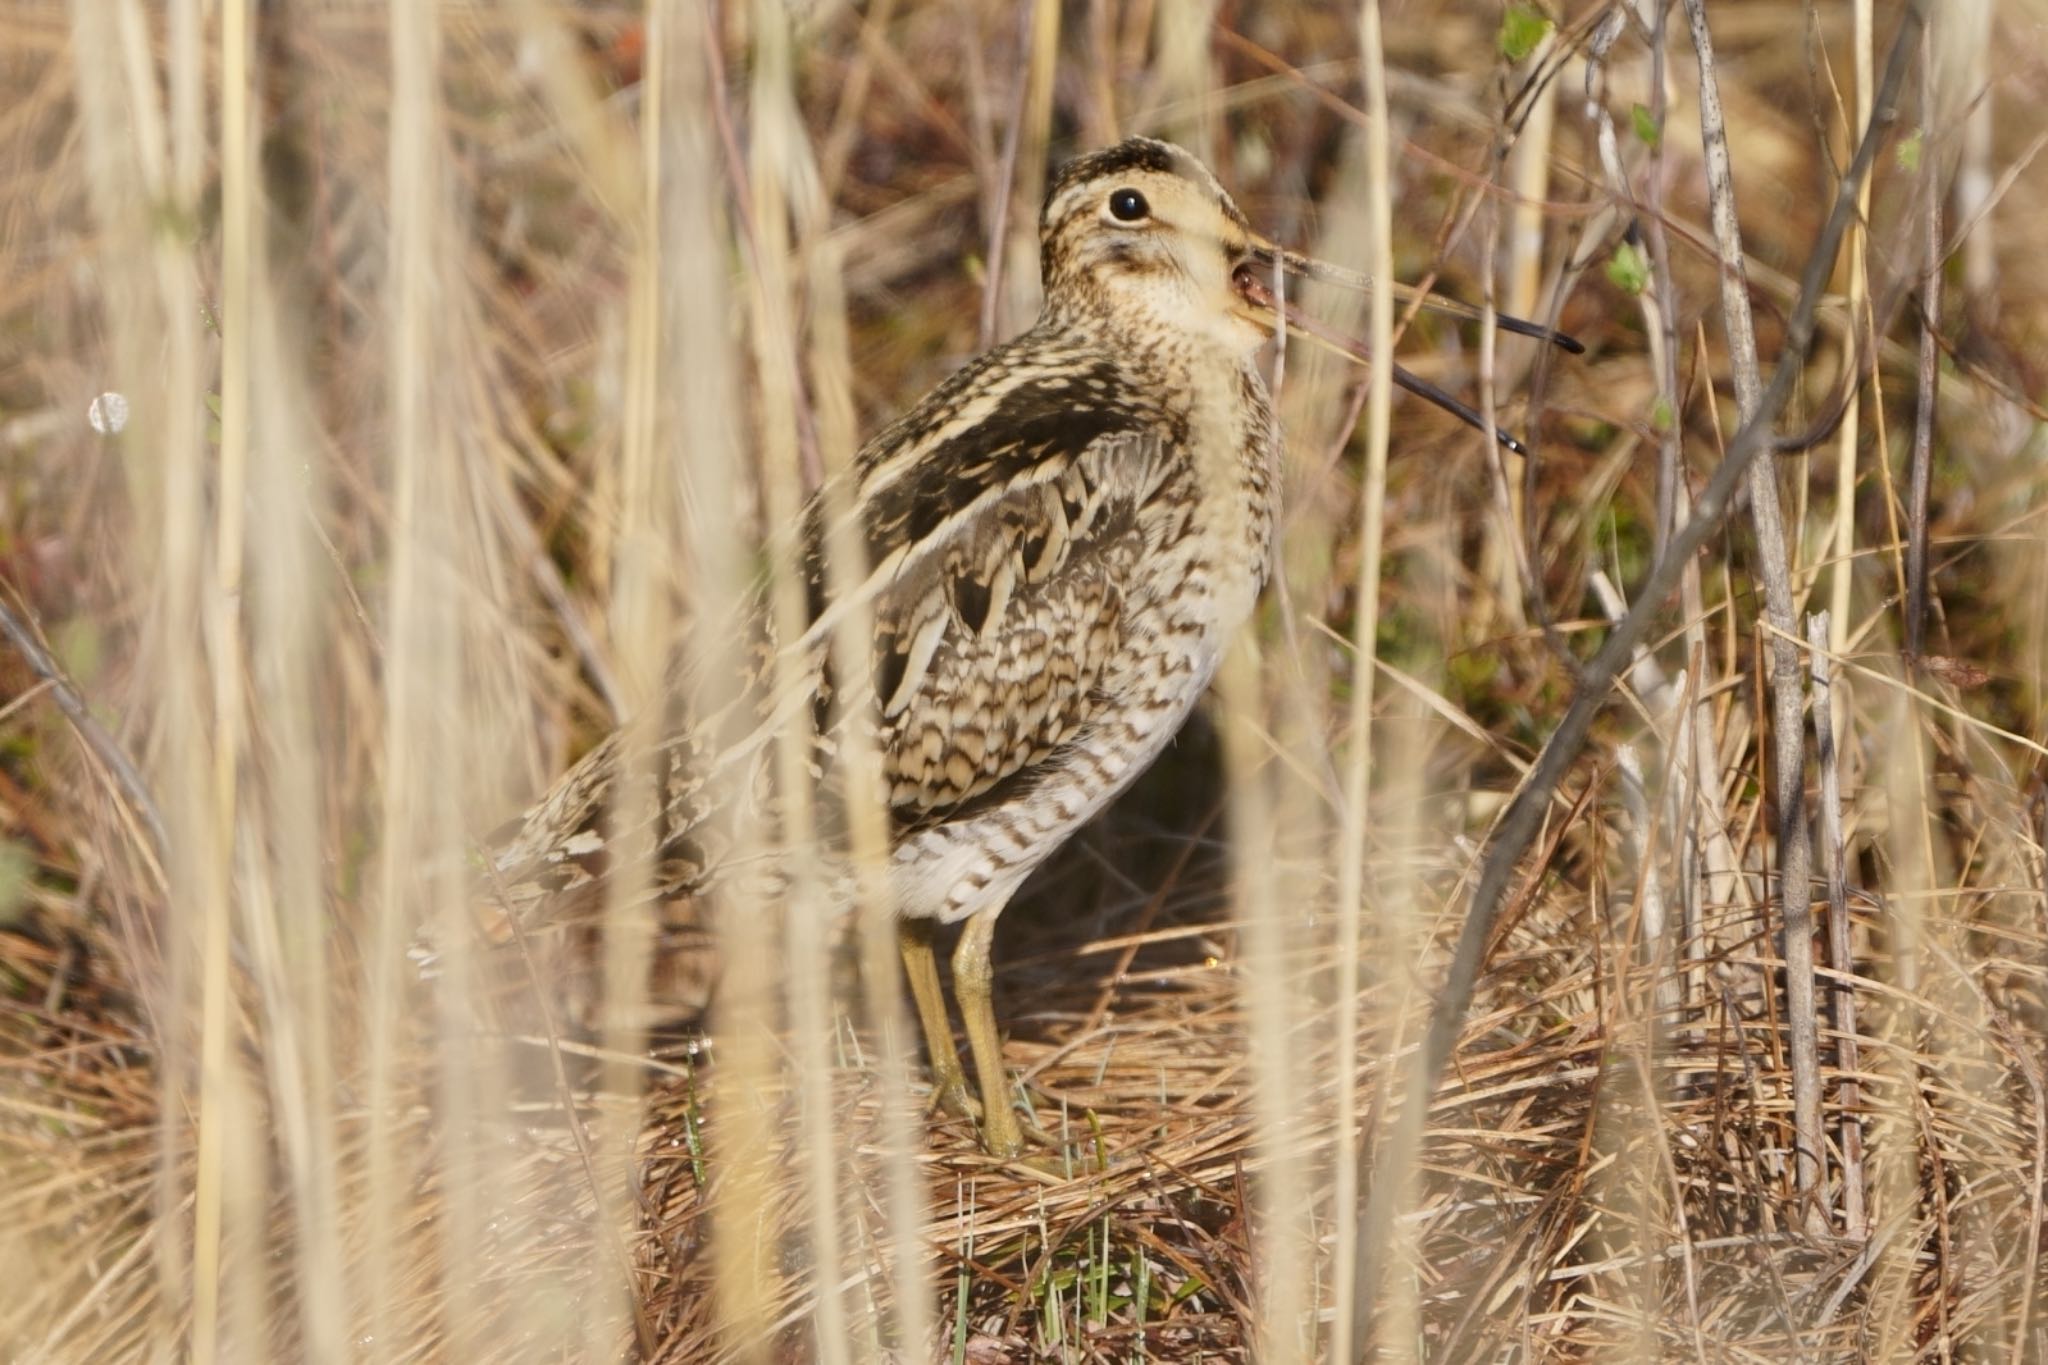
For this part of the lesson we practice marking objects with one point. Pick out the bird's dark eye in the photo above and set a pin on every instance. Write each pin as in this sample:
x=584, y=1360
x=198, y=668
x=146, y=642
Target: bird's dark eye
x=1128, y=206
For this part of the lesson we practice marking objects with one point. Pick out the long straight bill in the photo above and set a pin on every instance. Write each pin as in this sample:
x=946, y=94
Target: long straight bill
x=1269, y=254
x=1332, y=339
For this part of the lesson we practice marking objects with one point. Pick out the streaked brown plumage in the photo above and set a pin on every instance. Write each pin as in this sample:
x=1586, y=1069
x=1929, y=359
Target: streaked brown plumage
x=1062, y=537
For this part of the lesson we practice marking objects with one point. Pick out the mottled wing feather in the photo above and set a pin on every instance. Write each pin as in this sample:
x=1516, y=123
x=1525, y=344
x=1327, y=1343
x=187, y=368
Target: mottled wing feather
x=989, y=652
x=1001, y=519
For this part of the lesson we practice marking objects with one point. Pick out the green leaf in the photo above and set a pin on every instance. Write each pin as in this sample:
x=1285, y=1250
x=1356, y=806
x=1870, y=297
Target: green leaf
x=1521, y=29
x=1908, y=152
x=80, y=644
x=1660, y=413
x=1645, y=125
x=17, y=869
x=1629, y=270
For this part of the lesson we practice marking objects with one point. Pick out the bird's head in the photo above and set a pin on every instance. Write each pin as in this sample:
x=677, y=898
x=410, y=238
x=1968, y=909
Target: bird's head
x=1141, y=233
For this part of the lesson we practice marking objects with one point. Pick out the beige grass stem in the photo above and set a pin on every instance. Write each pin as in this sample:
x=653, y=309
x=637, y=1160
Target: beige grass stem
x=1350, y=1318
x=1846, y=441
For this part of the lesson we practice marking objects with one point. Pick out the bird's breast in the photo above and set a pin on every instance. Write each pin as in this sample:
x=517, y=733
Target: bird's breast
x=1210, y=542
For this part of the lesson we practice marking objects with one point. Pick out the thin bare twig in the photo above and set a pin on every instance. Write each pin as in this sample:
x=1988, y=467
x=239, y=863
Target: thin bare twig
x=1660, y=301
x=1788, y=757
x=103, y=745
x=1524, y=815
x=1842, y=994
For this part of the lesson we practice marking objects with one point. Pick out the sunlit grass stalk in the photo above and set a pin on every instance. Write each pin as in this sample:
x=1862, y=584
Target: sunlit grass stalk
x=709, y=373
x=150, y=300
x=1351, y=834
x=757, y=960
x=1632, y=1223
x=1019, y=299
x=414, y=665
x=1901, y=1226
x=1853, y=343
x=1279, y=1106
x=286, y=913
x=831, y=373
x=784, y=176
x=642, y=630
x=1187, y=80
x=223, y=1103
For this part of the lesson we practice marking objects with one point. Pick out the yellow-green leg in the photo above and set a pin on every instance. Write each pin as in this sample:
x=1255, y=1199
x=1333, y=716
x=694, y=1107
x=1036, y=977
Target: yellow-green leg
x=921, y=967
x=973, y=981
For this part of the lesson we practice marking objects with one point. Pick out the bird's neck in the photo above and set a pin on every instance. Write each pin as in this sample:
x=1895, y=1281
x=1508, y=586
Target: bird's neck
x=1157, y=353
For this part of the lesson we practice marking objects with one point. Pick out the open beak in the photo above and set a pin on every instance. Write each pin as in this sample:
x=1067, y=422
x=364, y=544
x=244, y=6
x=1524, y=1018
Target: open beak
x=1265, y=257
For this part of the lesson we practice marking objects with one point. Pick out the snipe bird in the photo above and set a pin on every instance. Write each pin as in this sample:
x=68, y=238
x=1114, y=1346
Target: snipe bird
x=1061, y=539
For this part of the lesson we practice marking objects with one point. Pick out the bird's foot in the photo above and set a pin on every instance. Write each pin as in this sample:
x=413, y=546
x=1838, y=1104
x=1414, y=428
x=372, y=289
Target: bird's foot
x=1054, y=1162
x=1057, y=1159
x=950, y=1095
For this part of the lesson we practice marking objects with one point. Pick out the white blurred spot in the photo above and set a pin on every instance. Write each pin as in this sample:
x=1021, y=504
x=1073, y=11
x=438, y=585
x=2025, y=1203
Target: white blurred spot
x=108, y=413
